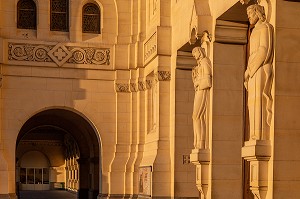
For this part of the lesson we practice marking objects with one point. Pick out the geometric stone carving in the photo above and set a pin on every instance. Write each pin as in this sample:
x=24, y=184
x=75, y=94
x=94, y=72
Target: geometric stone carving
x=134, y=87
x=164, y=75
x=149, y=83
x=142, y=85
x=150, y=47
x=59, y=54
x=122, y=87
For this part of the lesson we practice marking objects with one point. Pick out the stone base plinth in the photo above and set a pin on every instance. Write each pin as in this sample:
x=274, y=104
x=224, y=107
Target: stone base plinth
x=201, y=159
x=199, y=155
x=258, y=153
x=257, y=149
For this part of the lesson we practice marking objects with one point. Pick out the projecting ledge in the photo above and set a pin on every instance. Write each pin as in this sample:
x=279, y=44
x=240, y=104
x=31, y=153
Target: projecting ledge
x=257, y=149
x=200, y=155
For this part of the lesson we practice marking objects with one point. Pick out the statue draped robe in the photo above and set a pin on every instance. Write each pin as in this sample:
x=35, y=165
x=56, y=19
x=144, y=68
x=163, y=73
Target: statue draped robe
x=201, y=75
x=260, y=81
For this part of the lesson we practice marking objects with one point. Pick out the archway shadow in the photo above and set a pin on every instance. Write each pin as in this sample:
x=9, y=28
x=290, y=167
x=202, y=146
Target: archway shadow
x=53, y=126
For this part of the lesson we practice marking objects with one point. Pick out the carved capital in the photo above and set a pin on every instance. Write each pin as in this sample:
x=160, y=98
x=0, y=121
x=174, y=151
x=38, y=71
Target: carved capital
x=122, y=87
x=134, y=87
x=142, y=85
x=164, y=75
x=149, y=83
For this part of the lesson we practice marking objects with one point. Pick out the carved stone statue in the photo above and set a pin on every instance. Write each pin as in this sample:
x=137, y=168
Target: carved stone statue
x=258, y=76
x=202, y=79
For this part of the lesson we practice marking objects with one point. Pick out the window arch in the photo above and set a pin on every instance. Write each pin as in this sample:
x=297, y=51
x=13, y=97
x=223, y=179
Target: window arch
x=26, y=14
x=91, y=18
x=59, y=19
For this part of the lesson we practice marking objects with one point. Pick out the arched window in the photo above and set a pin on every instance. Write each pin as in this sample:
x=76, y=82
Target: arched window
x=26, y=17
x=91, y=18
x=59, y=19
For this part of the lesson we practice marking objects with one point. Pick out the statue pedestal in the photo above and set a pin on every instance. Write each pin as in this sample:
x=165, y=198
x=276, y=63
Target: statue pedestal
x=258, y=153
x=201, y=159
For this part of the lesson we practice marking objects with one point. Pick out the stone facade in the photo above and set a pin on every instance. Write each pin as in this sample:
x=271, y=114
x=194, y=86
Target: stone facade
x=111, y=110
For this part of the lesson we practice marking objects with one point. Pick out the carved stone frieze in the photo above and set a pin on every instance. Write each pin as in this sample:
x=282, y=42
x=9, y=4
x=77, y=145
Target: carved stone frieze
x=134, y=87
x=142, y=85
x=122, y=87
x=149, y=83
x=164, y=75
x=59, y=54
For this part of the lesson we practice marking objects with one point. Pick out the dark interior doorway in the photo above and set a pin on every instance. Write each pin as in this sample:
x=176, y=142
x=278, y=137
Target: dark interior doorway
x=72, y=146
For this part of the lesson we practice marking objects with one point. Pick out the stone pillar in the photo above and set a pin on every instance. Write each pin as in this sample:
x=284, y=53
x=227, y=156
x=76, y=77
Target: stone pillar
x=201, y=159
x=258, y=153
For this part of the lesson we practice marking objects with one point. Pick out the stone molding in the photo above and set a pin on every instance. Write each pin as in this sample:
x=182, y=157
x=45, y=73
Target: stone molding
x=150, y=47
x=231, y=32
x=59, y=54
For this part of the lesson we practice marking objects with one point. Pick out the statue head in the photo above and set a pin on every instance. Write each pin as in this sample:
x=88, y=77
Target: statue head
x=256, y=13
x=198, y=53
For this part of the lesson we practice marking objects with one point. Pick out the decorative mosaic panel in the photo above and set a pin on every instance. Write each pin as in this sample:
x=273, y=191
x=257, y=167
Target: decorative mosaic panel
x=59, y=54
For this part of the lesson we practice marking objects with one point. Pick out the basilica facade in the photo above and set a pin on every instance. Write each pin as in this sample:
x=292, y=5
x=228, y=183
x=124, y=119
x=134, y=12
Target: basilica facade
x=150, y=98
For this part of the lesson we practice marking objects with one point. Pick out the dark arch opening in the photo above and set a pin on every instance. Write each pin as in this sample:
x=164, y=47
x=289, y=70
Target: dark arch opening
x=57, y=124
x=91, y=18
x=26, y=14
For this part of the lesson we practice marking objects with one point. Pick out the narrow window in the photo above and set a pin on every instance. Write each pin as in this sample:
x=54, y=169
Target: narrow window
x=91, y=18
x=26, y=14
x=59, y=18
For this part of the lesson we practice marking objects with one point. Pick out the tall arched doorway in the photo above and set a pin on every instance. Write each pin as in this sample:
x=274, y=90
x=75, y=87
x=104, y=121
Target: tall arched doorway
x=72, y=146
